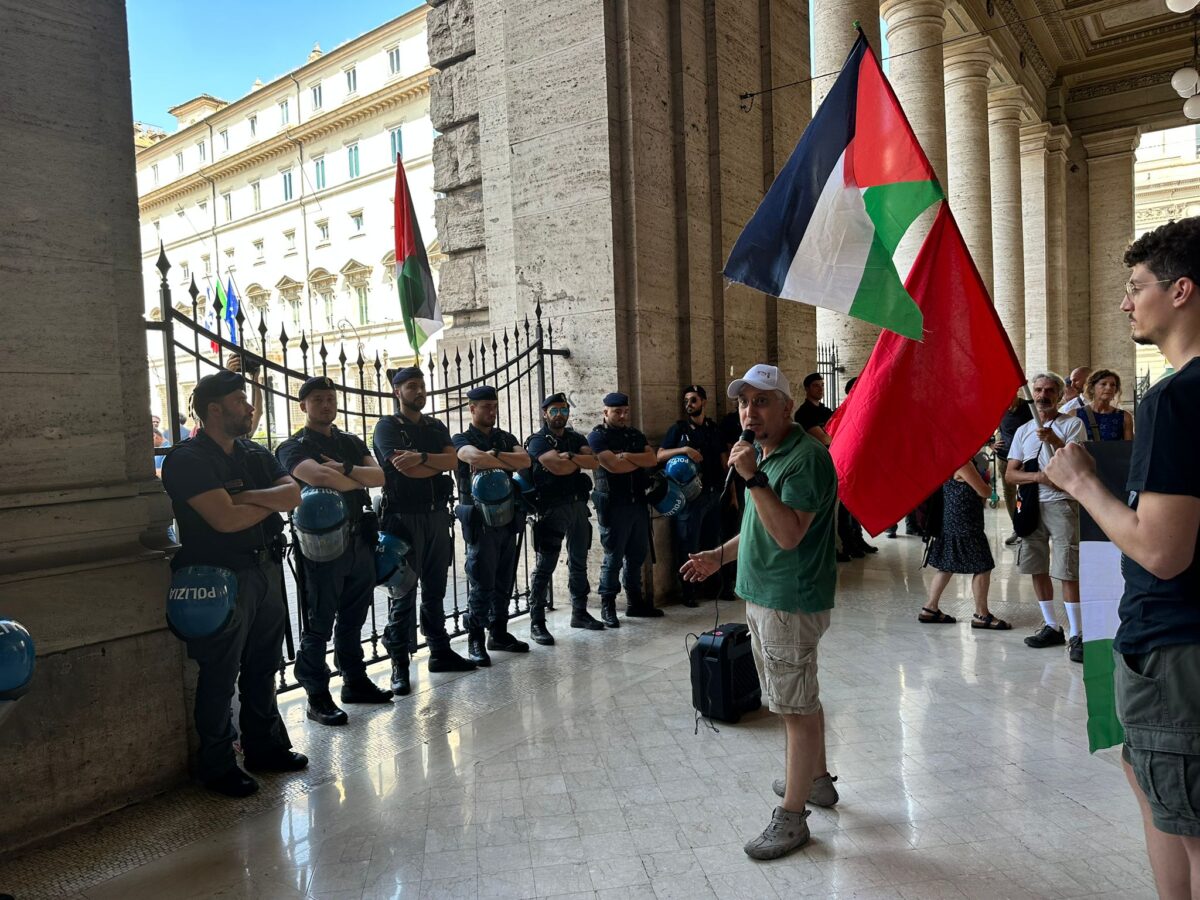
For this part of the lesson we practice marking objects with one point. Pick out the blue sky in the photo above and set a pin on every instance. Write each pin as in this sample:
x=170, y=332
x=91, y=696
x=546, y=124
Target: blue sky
x=180, y=49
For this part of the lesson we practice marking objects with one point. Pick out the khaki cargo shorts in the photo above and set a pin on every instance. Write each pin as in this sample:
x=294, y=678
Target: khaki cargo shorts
x=785, y=654
x=1058, y=524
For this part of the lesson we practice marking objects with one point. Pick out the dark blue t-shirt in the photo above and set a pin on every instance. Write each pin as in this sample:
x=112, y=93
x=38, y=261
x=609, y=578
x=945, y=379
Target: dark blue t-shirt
x=706, y=438
x=401, y=493
x=338, y=445
x=496, y=439
x=553, y=487
x=1158, y=612
x=627, y=488
x=198, y=465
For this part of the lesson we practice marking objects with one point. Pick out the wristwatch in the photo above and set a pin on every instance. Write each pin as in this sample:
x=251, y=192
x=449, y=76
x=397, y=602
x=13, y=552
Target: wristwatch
x=347, y=468
x=495, y=452
x=424, y=457
x=758, y=479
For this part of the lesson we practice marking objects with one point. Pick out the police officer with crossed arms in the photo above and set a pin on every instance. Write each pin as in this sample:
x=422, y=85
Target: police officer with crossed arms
x=336, y=469
x=487, y=457
x=416, y=453
x=228, y=493
x=560, y=457
x=622, y=480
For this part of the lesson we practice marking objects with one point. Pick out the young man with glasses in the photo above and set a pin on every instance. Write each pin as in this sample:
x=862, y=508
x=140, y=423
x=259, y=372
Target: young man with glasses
x=1157, y=528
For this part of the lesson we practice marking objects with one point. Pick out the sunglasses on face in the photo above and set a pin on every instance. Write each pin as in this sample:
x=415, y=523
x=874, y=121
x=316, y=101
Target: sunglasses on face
x=559, y=410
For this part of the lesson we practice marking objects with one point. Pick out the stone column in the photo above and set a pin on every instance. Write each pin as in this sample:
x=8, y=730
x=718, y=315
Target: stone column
x=833, y=26
x=1110, y=157
x=83, y=519
x=915, y=32
x=1008, y=261
x=1059, y=323
x=1033, y=209
x=968, y=159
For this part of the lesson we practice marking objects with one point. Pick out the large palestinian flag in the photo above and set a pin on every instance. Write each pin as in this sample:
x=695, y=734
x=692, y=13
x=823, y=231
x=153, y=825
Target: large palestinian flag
x=414, y=283
x=826, y=230
x=824, y=234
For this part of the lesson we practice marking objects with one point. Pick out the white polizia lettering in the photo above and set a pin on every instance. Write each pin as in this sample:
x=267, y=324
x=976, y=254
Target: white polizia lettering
x=193, y=593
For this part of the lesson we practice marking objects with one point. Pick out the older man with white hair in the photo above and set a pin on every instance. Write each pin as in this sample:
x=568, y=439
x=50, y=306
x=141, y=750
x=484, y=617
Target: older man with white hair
x=1033, y=445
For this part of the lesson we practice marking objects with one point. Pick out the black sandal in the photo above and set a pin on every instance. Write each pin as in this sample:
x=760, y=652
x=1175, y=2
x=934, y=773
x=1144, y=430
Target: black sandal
x=989, y=622
x=929, y=616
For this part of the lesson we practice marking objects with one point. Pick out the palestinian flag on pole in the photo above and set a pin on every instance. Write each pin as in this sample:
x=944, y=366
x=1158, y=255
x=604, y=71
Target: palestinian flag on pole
x=825, y=234
x=1101, y=584
x=414, y=282
x=826, y=230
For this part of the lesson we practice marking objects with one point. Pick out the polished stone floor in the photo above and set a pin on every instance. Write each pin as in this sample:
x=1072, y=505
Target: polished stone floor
x=580, y=771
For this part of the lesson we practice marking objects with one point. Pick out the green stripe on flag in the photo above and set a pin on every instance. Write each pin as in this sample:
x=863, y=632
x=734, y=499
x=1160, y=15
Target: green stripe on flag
x=881, y=299
x=413, y=302
x=1103, y=727
x=894, y=207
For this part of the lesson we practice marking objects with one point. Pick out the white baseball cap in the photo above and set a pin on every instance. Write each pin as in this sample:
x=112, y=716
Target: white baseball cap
x=763, y=377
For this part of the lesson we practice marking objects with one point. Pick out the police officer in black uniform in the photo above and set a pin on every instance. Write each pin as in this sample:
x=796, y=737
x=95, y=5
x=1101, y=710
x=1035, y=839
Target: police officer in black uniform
x=625, y=458
x=491, y=550
x=341, y=590
x=416, y=454
x=560, y=456
x=228, y=493
x=699, y=439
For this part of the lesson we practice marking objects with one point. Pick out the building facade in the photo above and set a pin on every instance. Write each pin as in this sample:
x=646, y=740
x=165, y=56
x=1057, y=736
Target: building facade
x=1167, y=176
x=287, y=195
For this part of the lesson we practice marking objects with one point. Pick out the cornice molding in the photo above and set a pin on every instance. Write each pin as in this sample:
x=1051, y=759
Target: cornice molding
x=1033, y=56
x=284, y=142
x=1117, y=86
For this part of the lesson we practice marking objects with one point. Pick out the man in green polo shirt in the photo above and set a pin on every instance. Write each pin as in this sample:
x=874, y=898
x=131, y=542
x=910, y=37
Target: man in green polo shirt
x=787, y=576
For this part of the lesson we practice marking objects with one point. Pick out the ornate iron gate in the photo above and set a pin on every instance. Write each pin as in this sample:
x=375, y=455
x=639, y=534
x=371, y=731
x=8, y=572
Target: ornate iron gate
x=518, y=362
x=831, y=372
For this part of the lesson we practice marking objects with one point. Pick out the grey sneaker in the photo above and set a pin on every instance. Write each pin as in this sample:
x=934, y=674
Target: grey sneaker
x=1046, y=636
x=1013, y=538
x=786, y=832
x=823, y=792
x=1075, y=648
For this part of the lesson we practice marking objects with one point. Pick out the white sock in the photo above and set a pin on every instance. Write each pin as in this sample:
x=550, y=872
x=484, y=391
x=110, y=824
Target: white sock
x=1048, y=612
x=1075, y=617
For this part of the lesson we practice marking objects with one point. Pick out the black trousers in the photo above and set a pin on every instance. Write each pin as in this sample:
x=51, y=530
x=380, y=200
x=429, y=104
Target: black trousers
x=491, y=569
x=697, y=527
x=432, y=549
x=570, y=522
x=247, y=653
x=625, y=536
x=337, y=597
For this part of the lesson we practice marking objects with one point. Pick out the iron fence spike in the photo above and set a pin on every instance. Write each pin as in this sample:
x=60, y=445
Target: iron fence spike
x=163, y=265
x=193, y=290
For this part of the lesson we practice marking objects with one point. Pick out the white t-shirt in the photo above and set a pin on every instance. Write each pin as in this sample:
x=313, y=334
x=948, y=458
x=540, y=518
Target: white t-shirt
x=1026, y=445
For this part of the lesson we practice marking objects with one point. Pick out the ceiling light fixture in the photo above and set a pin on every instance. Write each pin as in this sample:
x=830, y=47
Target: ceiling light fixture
x=1182, y=6
x=1186, y=80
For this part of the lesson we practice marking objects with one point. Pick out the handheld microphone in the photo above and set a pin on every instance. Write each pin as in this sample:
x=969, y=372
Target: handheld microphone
x=748, y=437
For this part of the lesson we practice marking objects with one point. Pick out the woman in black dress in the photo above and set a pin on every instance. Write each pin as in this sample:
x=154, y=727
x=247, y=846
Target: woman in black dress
x=961, y=547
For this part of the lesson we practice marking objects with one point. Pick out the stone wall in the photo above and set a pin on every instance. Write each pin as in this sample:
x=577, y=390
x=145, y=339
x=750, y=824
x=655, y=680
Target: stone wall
x=597, y=159
x=80, y=509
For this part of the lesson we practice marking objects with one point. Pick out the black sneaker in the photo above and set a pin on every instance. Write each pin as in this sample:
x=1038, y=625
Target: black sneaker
x=234, y=783
x=363, y=690
x=276, y=761
x=323, y=711
x=506, y=643
x=581, y=618
x=1046, y=636
x=448, y=661
x=1075, y=648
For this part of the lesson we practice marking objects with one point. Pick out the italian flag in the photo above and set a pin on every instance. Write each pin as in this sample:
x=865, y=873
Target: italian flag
x=414, y=282
x=826, y=230
x=943, y=370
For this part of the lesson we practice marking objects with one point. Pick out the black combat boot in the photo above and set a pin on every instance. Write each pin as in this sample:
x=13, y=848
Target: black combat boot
x=608, y=612
x=363, y=690
x=323, y=711
x=537, y=628
x=476, y=652
x=400, y=684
